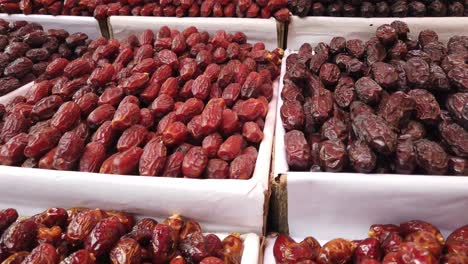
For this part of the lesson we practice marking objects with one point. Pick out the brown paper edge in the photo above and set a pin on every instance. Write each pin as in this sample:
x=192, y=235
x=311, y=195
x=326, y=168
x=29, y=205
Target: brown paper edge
x=262, y=247
x=278, y=214
x=282, y=33
x=104, y=27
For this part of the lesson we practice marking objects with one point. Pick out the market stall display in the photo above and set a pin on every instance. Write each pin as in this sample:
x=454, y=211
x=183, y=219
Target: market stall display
x=81, y=235
x=412, y=241
x=27, y=49
x=172, y=111
x=387, y=104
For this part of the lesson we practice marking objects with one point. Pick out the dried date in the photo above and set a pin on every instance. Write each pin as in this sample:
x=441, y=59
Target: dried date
x=292, y=115
x=41, y=142
x=297, y=150
x=397, y=109
x=153, y=158
x=457, y=106
x=426, y=105
x=104, y=235
x=11, y=153
x=92, y=158
x=20, y=236
x=69, y=150
x=431, y=157
x=375, y=132
x=122, y=163
x=417, y=72
x=66, y=117
x=333, y=155
x=361, y=157
x=194, y=162
x=368, y=90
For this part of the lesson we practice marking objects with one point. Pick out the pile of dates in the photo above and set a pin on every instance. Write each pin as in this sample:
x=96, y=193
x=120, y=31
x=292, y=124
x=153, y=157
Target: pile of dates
x=88, y=236
x=168, y=8
x=379, y=8
x=51, y=7
x=196, y=8
x=388, y=105
x=175, y=104
x=411, y=242
x=26, y=50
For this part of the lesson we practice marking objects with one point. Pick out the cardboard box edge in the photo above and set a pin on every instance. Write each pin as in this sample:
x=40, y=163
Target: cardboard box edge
x=278, y=214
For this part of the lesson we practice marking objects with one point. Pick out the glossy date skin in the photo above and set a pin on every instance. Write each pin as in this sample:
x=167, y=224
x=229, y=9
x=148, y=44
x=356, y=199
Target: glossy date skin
x=397, y=105
x=19, y=236
x=88, y=236
x=414, y=241
x=286, y=250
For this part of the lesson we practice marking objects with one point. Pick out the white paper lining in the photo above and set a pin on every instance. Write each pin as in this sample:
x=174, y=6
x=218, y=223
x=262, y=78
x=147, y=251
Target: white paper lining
x=251, y=251
x=256, y=30
x=321, y=29
x=280, y=165
x=219, y=205
x=7, y=98
x=72, y=24
x=330, y=205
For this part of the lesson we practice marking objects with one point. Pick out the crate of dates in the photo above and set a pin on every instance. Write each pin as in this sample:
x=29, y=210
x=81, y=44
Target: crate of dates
x=370, y=125
x=314, y=30
x=50, y=7
x=379, y=8
x=188, y=114
x=162, y=8
x=259, y=9
x=413, y=241
x=27, y=48
x=256, y=30
x=72, y=24
x=93, y=235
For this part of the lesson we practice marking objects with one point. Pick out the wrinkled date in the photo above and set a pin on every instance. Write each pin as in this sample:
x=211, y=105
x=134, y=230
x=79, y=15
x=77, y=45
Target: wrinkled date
x=361, y=157
x=375, y=132
x=388, y=104
x=297, y=150
x=332, y=155
x=431, y=157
